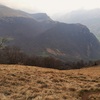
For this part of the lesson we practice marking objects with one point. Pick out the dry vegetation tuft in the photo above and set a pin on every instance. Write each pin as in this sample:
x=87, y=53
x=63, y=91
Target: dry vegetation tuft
x=33, y=83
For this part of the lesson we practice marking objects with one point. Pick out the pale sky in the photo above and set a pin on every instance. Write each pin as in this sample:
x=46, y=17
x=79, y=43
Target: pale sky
x=51, y=6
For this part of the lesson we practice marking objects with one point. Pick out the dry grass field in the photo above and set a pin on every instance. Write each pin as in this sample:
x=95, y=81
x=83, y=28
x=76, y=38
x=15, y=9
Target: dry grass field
x=19, y=82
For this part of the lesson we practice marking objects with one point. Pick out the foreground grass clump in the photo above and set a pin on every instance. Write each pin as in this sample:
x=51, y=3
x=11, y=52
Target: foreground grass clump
x=33, y=83
x=90, y=94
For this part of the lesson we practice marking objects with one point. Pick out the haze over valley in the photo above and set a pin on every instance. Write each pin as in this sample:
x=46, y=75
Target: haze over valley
x=90, y=18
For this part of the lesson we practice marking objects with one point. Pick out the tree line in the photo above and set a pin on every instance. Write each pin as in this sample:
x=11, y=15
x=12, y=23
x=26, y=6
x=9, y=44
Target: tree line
x=14, y=55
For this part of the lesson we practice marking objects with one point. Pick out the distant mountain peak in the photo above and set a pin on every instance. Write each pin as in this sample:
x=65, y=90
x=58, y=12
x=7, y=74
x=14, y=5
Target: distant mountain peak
x=90, y=18
x=41, y=17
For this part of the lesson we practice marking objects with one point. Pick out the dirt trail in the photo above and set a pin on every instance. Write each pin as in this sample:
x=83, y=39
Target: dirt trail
x=86, y=95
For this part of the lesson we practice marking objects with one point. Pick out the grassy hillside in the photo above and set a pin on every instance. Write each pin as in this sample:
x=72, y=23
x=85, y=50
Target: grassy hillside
x=33, y=83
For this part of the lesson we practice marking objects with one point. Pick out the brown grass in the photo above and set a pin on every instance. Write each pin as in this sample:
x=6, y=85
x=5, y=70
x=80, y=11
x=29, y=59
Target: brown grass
x=33, y=83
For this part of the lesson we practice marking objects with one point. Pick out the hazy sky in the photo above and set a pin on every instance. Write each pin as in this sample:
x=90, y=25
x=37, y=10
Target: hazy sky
x=51, y=6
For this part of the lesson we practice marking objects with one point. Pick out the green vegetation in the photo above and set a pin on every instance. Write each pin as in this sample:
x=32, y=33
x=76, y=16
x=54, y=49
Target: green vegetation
x=4, y=41
x=44, y=54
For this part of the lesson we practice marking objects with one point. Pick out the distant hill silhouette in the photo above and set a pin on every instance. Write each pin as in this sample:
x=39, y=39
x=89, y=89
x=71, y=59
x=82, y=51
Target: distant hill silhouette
x=9, y=12
x=90, y=18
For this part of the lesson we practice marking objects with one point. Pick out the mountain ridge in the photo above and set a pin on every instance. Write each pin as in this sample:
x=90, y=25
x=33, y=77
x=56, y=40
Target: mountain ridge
x=10, y=12
x=90, y=18
x=48, y=37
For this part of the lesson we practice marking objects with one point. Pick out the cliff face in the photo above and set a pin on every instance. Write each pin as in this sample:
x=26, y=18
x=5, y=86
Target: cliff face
x=90, y=18
x=69, y=41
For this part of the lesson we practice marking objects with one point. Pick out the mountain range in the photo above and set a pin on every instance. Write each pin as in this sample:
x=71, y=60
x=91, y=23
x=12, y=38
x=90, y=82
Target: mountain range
x=38, y=34
x=90, y=18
